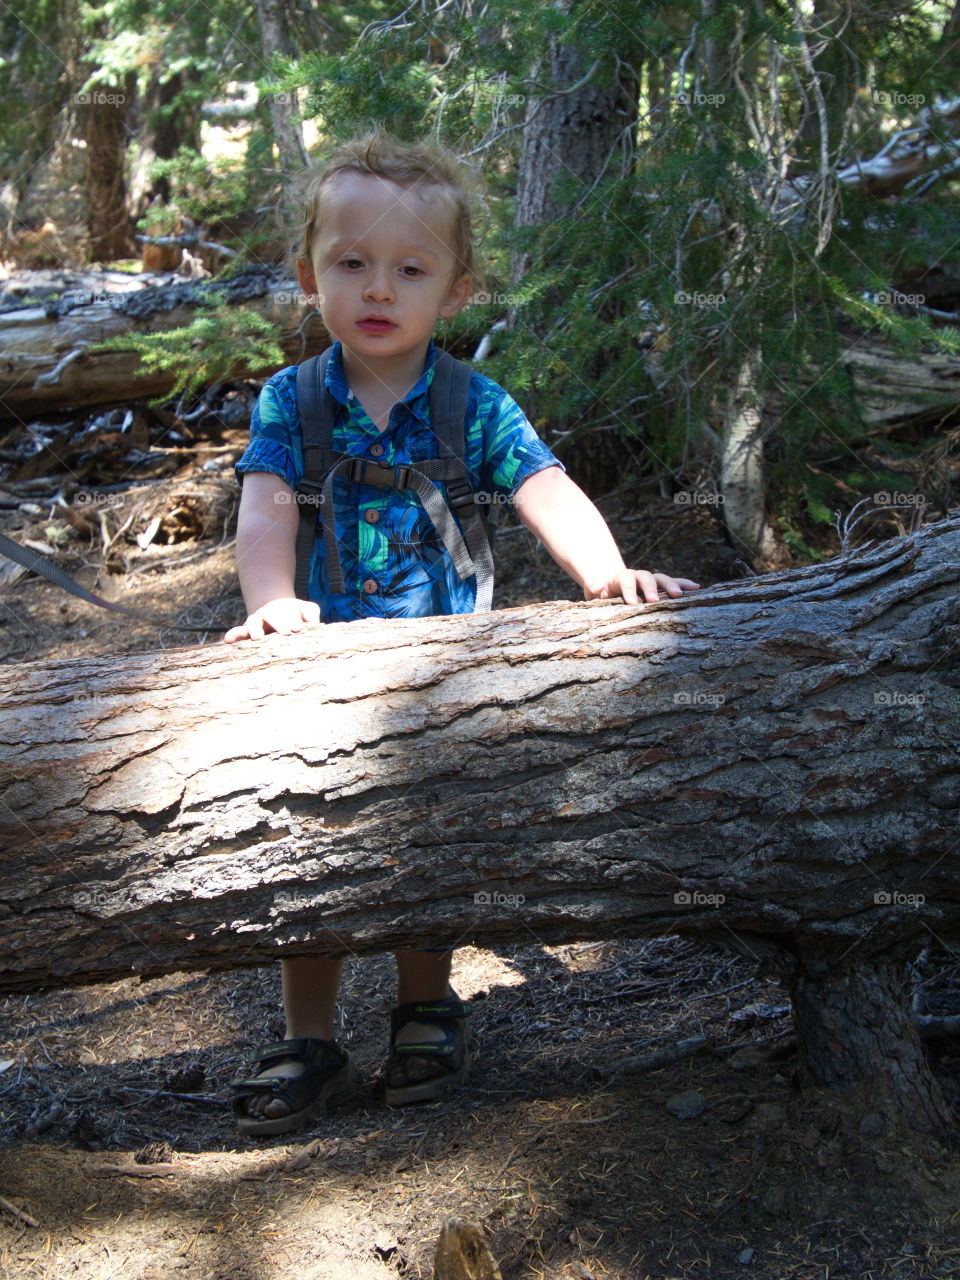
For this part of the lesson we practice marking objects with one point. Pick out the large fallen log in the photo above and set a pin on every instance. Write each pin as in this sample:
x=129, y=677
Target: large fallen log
x=771, y=764
x=46, y=361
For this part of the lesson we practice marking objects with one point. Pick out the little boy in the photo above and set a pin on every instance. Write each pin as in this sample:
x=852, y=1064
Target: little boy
x=386, y=250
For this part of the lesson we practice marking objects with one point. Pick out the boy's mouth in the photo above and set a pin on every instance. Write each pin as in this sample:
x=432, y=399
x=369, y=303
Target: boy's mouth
x=376, y=324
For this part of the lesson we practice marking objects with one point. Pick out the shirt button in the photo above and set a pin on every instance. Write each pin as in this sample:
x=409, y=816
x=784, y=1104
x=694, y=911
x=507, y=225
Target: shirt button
x=371, y=516
x=371, y=587
x=376, y=451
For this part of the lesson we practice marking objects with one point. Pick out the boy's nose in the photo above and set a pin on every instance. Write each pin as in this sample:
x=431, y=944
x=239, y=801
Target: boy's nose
x=378, y=286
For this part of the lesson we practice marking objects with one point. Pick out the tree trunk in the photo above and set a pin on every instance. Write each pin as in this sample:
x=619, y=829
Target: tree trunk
x=741, y=465
x=104, y=131
x=287, y=134
x=856, y=1024
x=572, y=133
x=769, y=764
x=167, y=119
x=46, y=363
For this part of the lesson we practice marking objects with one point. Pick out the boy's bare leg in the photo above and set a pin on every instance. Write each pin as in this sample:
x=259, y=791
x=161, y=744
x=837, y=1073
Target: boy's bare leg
x=310, y=986
x=422, y=976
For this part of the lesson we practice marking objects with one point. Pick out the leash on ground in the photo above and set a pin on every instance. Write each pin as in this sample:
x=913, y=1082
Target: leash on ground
x=38, y=563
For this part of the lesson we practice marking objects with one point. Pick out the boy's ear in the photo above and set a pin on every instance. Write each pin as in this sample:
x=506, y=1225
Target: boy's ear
x=307, y=278
x=458, y=296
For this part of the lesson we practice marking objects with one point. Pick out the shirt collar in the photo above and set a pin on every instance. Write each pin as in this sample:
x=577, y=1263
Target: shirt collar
x=336, y=383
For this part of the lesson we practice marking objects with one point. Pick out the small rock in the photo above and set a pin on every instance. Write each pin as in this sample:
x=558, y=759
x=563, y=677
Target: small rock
x=686, y=1106
x=745, y=1256
x=872, y=1124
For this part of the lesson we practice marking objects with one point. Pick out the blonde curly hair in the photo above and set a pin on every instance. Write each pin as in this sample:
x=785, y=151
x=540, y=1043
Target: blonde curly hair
x=408, y=164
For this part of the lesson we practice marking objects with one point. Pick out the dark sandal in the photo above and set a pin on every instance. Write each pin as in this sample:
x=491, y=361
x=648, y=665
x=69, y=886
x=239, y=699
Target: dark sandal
x=327, y=1068
x=450, y=1057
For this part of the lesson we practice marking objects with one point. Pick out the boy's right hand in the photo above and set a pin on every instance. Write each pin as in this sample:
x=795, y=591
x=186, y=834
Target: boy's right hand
x=282, y=615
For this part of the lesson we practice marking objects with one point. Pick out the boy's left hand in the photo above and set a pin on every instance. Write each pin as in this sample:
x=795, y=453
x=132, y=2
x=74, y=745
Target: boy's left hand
x=627, y=585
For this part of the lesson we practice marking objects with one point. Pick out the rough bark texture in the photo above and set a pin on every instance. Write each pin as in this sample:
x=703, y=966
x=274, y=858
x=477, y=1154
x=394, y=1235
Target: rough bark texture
x=741, y=465
x=770, y=764
x=284, y=121
x=108, y=219
x=572, y=134
x=856, y=1023
x=36, y=378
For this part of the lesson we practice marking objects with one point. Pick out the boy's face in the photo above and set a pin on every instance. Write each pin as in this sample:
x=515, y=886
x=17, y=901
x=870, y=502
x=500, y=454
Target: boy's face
x=383, y=266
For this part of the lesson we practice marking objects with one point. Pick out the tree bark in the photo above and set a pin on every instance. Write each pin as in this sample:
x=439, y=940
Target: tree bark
x=287, y=134
x=167, y=118
x=571, y=133
x=770, y=764
x=45, y=361
x=741, y=464
x=108, y=219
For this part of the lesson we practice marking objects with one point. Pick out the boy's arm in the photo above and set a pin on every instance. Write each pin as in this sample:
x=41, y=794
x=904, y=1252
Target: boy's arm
x=266, y=559
x=571, y=528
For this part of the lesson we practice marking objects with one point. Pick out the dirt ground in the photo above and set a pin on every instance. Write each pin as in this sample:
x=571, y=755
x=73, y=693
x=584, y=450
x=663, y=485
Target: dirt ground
x=120, y=1156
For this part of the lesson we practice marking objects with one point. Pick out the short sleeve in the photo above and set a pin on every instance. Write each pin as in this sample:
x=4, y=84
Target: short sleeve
x=512, y=450
x=275, y=440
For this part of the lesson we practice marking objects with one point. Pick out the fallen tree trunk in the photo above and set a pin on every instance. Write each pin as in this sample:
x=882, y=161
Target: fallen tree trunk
x=770, y=764
x=45, y=359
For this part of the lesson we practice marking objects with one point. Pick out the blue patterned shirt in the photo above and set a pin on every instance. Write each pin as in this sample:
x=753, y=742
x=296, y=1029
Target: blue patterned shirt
x=394, y=563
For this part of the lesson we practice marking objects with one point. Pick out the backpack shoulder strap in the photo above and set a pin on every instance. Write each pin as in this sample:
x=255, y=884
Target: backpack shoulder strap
x=448, y=404
x=448, y=418
x=316, y=410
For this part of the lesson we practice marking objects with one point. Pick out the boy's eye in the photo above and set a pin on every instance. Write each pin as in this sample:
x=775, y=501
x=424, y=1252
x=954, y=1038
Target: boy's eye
x=351, y=262
x=412, y=272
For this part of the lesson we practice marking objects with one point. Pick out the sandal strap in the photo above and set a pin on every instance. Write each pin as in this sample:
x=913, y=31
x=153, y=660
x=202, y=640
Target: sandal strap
x=320, y=1058
x=306, y=1047
x=309, y=1050
x=449, y=1009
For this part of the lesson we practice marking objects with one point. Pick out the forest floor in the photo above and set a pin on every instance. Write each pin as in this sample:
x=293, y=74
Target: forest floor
x=121, y=1156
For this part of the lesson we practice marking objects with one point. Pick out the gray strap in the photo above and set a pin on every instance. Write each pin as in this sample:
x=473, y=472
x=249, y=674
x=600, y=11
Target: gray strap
x=433, y=503
x=478, y=540
x=316, y=425
x=436, y=508
x=38, y=563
